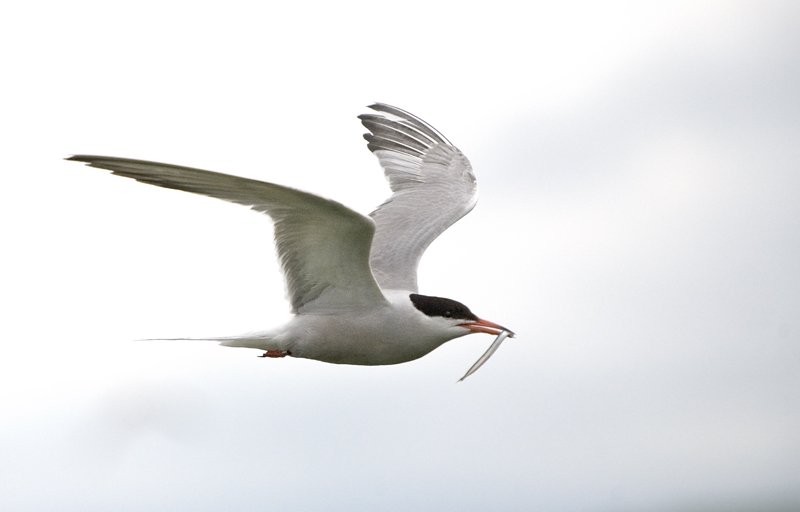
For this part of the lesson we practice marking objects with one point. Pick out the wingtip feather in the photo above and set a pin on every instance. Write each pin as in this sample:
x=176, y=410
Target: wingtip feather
x=410, y=118
x=77, y=158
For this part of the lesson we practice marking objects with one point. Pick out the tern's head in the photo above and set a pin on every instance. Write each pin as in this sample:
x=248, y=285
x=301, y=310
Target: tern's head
x=454, y=314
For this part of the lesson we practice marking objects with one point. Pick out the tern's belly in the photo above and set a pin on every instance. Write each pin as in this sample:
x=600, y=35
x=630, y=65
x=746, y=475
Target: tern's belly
x=363, y=342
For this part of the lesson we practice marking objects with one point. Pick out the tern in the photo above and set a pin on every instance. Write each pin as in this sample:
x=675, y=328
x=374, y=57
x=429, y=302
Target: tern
x=352, y=279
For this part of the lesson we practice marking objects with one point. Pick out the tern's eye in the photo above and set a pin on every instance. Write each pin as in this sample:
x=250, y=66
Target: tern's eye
x=448, y=314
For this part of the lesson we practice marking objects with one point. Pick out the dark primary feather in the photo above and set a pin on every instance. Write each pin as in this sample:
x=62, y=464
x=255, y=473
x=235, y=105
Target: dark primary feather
x=388, y=129
x=410, y=119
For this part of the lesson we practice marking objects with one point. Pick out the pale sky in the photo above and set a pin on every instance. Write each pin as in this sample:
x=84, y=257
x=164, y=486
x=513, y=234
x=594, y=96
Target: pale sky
x=638, y=227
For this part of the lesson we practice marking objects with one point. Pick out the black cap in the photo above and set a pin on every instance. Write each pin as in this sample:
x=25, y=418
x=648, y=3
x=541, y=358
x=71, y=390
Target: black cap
x=438, y=306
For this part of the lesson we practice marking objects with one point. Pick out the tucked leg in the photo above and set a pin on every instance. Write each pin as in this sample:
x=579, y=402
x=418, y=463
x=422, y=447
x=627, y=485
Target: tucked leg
x=276, y=353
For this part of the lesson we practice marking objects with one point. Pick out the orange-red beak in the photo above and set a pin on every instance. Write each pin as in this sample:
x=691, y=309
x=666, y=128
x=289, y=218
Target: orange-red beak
x=486, y=327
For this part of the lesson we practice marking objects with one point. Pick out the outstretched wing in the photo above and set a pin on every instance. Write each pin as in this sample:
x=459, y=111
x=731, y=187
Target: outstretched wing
x=322, y=245
x=433, y=187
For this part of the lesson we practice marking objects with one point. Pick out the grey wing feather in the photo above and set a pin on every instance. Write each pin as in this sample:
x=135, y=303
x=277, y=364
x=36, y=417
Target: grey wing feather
x=322, y=245
x=433, y=187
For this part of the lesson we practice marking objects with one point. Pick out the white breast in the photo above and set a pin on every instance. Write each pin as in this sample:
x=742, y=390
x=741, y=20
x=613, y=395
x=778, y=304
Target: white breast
x=395, y=333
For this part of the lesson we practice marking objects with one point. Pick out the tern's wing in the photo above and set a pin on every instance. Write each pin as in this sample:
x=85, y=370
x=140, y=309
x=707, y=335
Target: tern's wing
x=433, y=187
x=322, y=245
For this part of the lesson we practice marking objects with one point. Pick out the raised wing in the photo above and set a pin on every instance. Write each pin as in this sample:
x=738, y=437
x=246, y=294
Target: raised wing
x=433, y=187
x=322, y=245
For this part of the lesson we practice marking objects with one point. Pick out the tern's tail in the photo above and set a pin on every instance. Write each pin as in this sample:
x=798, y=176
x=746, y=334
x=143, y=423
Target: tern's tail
x=252, y=340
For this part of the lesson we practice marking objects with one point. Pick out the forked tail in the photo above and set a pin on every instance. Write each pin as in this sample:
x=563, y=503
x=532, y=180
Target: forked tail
x=253, y=340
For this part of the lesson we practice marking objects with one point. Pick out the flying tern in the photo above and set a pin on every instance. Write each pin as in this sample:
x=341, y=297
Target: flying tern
x=352, y=279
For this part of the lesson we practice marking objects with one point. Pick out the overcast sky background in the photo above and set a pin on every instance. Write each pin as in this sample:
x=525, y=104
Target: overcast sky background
x=638, y=227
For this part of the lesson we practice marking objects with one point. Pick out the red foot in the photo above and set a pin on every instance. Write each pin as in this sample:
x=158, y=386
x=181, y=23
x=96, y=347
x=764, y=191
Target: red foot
x=276, y=353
